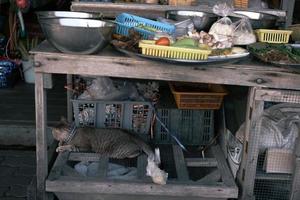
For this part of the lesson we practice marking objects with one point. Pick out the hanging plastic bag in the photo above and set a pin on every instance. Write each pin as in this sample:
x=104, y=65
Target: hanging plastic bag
x=223, y=29
x=243, y=33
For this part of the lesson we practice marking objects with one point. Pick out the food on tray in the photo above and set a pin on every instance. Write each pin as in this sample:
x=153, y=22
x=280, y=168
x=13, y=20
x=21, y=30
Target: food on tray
x=206, y=39
x=164, y=41
x=130, y=43
x=280, y=53
x=186, y=43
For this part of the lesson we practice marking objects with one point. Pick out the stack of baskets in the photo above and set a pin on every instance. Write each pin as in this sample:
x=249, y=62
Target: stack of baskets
x=241, y=3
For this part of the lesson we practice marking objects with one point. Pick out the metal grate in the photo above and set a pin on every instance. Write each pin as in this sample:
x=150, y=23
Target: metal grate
x=86, y=114
x=113, y=116
x=191, y=127
x=140, y=113
x=274, y=165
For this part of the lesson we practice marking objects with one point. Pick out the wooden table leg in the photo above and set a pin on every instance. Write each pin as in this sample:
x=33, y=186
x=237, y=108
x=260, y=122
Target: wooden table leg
x=69, y=96
x=295, y=191
x=247, y=172
x=41, y=139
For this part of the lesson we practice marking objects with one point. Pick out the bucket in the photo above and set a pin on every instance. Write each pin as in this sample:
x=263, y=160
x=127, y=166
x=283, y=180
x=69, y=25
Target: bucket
x=28, y=71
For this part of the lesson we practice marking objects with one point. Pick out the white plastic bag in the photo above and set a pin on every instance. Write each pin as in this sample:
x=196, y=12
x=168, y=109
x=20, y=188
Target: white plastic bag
x=243, y=32
x=279, y=127
x=103, y=88
x=223, y=29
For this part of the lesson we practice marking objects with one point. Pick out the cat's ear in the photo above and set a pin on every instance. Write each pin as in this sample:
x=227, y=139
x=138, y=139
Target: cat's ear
x=63, y=120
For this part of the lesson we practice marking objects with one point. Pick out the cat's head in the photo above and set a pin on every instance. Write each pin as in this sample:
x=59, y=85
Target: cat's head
x=61, y=131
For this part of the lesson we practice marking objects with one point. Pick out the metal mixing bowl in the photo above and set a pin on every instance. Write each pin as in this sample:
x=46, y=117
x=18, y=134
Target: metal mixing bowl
x=201, y=20
x=79, y=36
x=258, y=20
x=68, y=14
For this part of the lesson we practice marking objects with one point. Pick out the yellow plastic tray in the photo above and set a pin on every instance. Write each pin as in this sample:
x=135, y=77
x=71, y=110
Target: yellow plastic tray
x=273, y=36
x=151, y=49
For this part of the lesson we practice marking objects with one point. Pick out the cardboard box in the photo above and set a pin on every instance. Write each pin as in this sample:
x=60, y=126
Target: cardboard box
x=279, y=161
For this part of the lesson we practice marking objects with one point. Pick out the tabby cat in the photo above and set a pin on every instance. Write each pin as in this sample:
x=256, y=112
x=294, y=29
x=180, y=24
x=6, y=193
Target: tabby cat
x=113, y=143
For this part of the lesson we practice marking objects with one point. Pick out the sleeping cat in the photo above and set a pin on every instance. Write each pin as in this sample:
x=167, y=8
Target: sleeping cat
x=113, y=143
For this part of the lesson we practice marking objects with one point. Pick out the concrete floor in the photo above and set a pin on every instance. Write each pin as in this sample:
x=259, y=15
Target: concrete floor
x=17, y=135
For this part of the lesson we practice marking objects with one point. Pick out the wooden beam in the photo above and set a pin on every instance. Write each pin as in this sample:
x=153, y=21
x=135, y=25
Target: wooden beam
x=210, y=178
x=248, y=166
x=92, y=157
x=41, y=137
x=295, y=192
x=201, y=162
x=148, y=10
x=58, y=166
x=281, y=96
x=103, y=167
x=114, y=64
x=141, y=166
x=181, y=169
x=174, y=189
x=225, y=172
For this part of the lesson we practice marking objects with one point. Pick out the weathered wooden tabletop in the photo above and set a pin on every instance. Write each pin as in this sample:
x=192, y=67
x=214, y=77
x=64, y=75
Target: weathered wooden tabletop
x=111, y=63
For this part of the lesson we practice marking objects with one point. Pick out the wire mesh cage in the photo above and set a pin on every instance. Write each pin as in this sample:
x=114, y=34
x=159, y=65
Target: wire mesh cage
x=275, y=164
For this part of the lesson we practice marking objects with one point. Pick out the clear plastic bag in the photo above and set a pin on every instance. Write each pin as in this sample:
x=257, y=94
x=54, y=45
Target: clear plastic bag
x=223, y=29
x=243, y=32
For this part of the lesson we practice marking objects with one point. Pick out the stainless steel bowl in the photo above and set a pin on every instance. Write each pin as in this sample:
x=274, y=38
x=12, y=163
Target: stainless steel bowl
x=79, y=36
x=201, y=20
x=258, y=20
x=68, y=14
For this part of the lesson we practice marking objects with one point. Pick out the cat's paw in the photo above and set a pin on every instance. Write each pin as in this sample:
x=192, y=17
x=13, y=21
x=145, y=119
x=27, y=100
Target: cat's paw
x=62, y=148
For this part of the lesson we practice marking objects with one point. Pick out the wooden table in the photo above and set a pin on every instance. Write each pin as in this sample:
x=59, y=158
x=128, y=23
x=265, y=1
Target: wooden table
x=249, y=73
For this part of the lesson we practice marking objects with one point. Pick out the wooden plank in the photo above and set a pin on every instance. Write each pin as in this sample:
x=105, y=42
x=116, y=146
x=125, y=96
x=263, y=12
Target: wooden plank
x=282, y=96
x=72, y=196
x=295, y=192
x=147, y=10
x=247, y=170
x=69, y=171
x=58, y=166
x=226, y=175
x=92, y=157
x=41, y=138
x=181, y=169
x=201, y=162
x=210, y=178
x=271, y=176
x=141, y=166
x=69, y=97
x=116, y=65
x=103, y=167
x=288, y=6
x=94, y=185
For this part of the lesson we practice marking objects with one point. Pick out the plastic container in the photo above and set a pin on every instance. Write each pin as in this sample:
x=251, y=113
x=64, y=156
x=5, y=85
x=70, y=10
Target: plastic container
x=126, y=21
x=29, y=75
x=241, y=3
x=273, y=36
x=28, y=71
x=149, y=48
x=191, y=127
x=197, y=96
x=130, y=115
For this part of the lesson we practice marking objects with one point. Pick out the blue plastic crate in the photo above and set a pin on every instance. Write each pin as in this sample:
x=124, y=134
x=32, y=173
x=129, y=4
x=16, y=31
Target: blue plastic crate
x=126, y=21
x=8, y=73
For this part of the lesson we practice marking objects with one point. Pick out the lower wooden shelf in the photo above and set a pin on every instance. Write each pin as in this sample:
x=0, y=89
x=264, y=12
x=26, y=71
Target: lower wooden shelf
x=71, y=186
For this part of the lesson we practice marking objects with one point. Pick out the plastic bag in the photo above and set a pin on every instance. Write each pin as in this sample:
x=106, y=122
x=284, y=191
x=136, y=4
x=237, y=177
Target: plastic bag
x=243, y=32
x=279, y=127
x=104, y=88
x=223, y=29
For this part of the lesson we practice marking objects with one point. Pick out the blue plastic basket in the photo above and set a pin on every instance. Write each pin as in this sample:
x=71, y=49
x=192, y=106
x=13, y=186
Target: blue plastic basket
x=126, y=21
